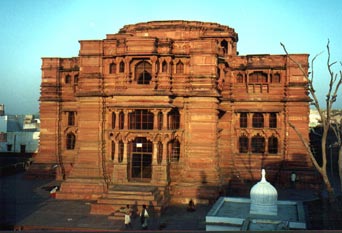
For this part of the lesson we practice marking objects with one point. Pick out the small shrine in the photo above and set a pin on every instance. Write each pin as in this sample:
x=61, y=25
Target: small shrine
x=264, y=197
x=262, y=211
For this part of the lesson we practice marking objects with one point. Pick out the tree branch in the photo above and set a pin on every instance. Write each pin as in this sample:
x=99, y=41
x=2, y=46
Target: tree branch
x=307, y=146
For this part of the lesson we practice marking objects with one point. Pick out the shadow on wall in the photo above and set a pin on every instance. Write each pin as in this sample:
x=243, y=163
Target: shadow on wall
x=284, y=174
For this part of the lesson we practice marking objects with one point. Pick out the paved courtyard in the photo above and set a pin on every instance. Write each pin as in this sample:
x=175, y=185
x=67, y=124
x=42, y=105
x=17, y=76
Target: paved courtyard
x=26, y=204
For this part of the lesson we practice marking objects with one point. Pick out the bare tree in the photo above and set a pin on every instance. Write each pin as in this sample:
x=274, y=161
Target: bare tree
x=337, y=128
x=325, y=115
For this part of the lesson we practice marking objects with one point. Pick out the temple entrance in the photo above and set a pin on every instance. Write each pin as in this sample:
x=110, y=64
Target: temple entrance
x=140, y=166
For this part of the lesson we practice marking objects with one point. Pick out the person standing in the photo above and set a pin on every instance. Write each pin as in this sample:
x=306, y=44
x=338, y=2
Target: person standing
x=144, y=217
x=128, y=214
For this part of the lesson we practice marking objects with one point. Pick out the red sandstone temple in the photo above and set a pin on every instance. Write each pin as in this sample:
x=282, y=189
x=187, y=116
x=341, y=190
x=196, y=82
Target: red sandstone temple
x=167, y=111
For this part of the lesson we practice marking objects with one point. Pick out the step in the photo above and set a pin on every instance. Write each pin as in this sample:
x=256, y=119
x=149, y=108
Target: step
x=77, y=196
x=127, y=201
x=119, y=196
x=131, y=196
x=138, y=189
x=117, y=216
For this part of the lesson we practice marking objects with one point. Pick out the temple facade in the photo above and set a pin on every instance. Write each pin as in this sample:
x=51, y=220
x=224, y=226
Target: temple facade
x=171, y=105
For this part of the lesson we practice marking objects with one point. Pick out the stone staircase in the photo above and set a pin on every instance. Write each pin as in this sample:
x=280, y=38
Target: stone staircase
x=118, y=196
x=81, y=189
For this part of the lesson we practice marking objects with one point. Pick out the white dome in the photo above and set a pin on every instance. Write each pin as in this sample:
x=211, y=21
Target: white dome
x=264, y=197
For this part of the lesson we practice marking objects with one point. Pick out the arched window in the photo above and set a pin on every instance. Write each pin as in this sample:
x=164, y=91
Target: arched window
x=224, y=46
x=272, y=145
x=160, y=120
x=160, y=153
x=174, y=150
x=70, y=141
x=141, y=119
x=71, y=118
x=113, y=120
x=112, y=151
x=67, y=78
x=180, y=68
x=164, y=67
x=273, y=120
x=122, y=67
x=258, y=120
x=143, y=71
x=243, y=120
x=174, y=119
x=258, y=144
x=120, y=151
x=112, y=68
x=275, y=78
x=76, y=79
x=239, y=78
x=243, y=144
x=121, y=120
x=144, y=78
x=258, y=77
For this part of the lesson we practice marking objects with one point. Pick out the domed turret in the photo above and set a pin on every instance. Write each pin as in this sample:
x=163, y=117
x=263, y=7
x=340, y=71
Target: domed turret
x=263, y=197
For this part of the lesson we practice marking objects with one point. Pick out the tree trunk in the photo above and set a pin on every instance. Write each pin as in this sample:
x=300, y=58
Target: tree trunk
x=323, y=169
x=328, y=186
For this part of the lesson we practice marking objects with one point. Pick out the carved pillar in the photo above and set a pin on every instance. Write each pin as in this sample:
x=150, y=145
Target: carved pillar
x=117, y=119
x=249, y=120
x=165, y=119
x=126, y=119
x=125, y=157
x=155, y=153
x=181, y=118
x=155, y=118
x=120, y=175
x=168, y=60
x=160, y=174
x=164, y=158
x=116, y=153
x=117, y=61
x=266, y=120
x=230, y=48
x=154, y=60
x=127, y=69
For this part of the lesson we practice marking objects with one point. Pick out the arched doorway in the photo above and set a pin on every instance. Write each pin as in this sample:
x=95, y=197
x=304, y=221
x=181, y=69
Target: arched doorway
x=140, y=166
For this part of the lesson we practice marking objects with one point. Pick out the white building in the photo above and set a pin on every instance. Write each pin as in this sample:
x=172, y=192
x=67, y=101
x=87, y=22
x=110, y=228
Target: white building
x=315, y=118
x=19, y=133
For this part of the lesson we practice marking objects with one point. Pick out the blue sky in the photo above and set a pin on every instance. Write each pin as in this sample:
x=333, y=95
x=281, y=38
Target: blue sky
x=31, y=29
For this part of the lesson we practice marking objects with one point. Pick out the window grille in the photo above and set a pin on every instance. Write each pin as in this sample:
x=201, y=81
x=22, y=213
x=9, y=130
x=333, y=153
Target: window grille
x=122, y=67
x=243, y=120
x=273, y=120
x=258, y=144
x=272, y=145
x=120, y=151
x=180, y=68
x=174, y=119
x=70, y=141
x=112, y=68
x=258, y=77
x=174, y=151
x=141, y=119
x=258, y=120
x=243, y=144
x=71, y=118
